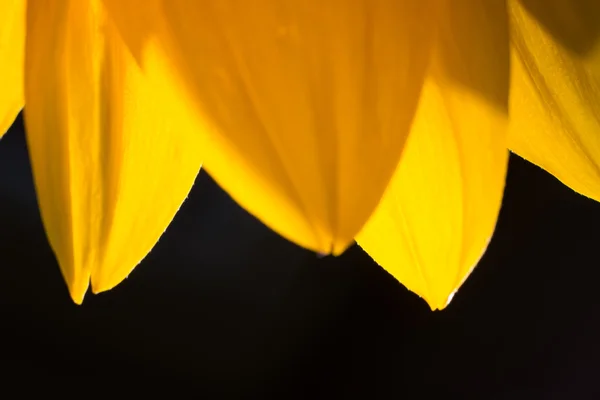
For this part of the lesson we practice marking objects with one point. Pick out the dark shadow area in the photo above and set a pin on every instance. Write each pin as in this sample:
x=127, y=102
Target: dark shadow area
x=224, y=306
x=572, y=23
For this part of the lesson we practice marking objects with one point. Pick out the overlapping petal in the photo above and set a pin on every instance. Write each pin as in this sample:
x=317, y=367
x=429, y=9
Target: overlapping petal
x=309, y=102
x=113, y=151
x=304, y=108
x=555, y=89
x=12, y=51
x=440, y=210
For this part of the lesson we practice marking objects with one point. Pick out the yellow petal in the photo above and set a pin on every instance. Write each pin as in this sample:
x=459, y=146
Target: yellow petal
x=440, y=210
x=12, y=50
x=114, y=153
x=555, y=92
x=309, y=102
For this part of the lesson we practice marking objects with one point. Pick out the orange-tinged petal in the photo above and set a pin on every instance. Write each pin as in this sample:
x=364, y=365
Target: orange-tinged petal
x=309, y=102
x=114, y=153
x=555, y=91
x=440, y=210
x=12, y=50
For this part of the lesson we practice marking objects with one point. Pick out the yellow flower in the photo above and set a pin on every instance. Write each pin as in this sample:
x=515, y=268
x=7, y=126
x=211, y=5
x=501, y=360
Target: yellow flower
x=388, y=121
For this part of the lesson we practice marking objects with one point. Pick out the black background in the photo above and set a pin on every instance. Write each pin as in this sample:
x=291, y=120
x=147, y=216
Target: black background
x=222, y=306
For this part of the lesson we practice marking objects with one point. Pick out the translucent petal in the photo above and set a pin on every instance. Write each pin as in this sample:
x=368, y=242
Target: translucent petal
x=114, y=153
x=555, y=94
x=12, y=50
x=309, y=102
x=440, y=210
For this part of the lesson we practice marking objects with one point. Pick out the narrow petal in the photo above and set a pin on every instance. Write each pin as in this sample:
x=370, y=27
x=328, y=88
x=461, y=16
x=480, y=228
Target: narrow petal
x=12, y=50
x=555, y=93
x=440, y=210
x=113, y=152
x=309, y=103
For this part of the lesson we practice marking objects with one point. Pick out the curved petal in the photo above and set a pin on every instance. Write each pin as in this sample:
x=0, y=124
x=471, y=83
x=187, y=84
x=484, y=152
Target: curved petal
x=113, y=151
x=12, y=51
x=440, y=210
x=309, y=102
x=555, y=97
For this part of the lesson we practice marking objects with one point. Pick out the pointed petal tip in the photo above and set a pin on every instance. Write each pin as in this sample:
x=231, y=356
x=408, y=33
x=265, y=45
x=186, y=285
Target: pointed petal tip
x=76, y=278
x=77, y=301
x=437, y=304
x=335, y=248
x=340, y=246
x=77, y=293
x=101, y=285
x=97, y=289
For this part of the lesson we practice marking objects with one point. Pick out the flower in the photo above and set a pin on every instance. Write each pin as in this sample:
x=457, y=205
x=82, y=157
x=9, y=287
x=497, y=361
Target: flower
x=388, y=121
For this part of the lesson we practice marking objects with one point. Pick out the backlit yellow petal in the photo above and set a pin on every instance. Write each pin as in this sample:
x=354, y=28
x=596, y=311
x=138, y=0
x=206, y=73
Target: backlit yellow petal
x=12, y=46
x=555, y=91
x=113, y=152
x=440, y=210
x=309, y=101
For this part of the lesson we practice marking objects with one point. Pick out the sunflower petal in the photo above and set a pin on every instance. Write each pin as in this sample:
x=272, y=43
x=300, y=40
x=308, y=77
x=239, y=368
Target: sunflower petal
x=12, y=50
x=113, y=152
x=555, y=94
x=309, y=102
x=440, y=210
